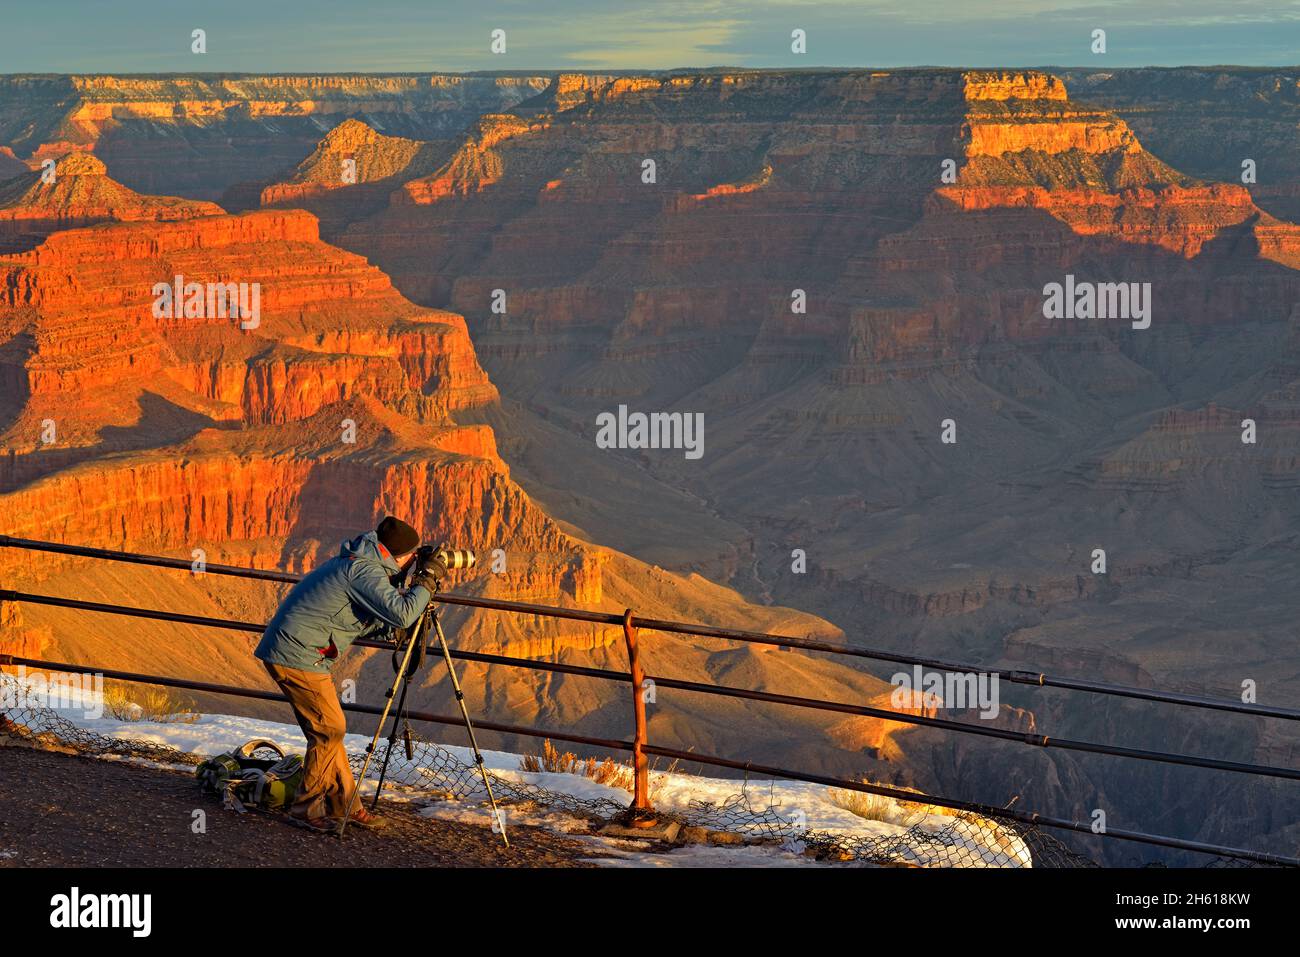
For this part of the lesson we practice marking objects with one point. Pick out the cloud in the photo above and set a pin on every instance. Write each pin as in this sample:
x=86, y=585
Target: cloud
x=655, y=46
x=452, y=35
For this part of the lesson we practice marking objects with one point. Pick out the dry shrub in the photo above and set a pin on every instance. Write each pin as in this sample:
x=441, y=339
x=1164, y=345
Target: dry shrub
x=608, y=771
x=877, y=807
x=616, y=774
x=133, y=702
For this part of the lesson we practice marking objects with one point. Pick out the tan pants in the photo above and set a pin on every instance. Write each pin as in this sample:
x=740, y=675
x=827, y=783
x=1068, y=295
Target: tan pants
x=327, y=781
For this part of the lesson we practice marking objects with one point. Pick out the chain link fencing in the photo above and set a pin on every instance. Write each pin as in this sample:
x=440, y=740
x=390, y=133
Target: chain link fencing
x=955, y=839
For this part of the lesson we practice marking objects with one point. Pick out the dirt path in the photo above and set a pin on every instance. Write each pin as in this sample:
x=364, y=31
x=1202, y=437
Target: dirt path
x=59, y=810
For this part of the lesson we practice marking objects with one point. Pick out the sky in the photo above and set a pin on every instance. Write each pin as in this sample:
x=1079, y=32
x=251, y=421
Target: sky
x=289, y=36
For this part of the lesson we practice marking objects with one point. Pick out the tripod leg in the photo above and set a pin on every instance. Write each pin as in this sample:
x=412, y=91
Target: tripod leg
x=392, y=740
x=374, y=742
x=469, y=727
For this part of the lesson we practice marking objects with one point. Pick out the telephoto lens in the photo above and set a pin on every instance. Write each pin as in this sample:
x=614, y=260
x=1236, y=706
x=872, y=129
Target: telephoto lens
x=454, y=558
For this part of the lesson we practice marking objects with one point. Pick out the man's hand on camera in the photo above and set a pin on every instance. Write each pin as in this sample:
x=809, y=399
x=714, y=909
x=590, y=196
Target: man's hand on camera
x=428, y=569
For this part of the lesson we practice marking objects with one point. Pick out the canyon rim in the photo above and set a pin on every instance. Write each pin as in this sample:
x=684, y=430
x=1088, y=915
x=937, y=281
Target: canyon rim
x=998, y=366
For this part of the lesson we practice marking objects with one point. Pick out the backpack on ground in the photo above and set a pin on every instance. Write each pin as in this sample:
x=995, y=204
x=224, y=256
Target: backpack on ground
x=256, y=774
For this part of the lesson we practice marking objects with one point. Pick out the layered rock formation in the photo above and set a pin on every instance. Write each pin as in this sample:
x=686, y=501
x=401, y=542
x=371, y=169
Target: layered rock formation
x=845, y=271
x=268, y=434
x=1209, y=121
x=78, y=191
x=924, y=306
x=232, y=129
x=351, y=173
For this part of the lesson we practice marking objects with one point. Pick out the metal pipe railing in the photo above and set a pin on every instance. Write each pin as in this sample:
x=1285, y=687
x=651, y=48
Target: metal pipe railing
x=1024, y=817
x=237, y=691
x=640, y=765
x=1017, y=676
x=637, y=677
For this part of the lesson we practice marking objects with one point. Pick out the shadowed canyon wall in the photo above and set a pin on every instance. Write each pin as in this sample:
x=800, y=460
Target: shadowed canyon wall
x=268, y=444
x=198, y=135
x=920, y=214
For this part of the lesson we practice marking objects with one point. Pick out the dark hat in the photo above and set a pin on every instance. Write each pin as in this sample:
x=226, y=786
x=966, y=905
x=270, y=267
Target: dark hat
x=396, y=536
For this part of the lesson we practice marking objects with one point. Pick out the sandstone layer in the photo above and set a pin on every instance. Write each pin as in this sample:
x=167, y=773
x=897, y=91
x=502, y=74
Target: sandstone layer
x=924, y=305
x=267, y=436
x=76, y=190
x=232, y=128
x=836, y=268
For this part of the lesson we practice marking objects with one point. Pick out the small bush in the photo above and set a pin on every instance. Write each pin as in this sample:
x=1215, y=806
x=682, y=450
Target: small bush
x=616, y=774
x=133, y=702
x=608, y=771
x=877, y=807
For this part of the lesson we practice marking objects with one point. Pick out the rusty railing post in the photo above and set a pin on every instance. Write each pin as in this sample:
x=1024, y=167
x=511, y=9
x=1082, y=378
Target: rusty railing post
x=640, y=813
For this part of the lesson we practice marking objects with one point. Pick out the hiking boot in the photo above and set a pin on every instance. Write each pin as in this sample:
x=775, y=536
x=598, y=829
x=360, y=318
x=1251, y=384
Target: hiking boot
x=363, y=818
x=321, y=825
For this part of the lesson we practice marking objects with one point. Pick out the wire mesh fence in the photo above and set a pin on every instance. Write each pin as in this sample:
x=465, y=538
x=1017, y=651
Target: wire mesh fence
x=961, y=841
x=433, y=771
x=955, y=839
x=47, y=728
x=950, y=832
x=436, y=771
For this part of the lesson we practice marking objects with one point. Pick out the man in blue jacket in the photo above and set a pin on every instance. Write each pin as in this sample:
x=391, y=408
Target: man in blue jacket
x=349, y=597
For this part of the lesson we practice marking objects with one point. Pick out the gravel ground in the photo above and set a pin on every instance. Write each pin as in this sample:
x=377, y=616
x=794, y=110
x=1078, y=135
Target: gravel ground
x=59, y=810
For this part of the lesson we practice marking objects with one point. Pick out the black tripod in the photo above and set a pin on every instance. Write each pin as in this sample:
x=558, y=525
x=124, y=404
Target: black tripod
x=412, y=658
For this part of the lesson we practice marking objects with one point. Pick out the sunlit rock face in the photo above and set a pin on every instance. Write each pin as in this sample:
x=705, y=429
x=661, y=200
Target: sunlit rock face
x=73, y=190
x=922, y=214
x=231, y=129
x=1218, y=123
x=268, y=433
x=833, y=267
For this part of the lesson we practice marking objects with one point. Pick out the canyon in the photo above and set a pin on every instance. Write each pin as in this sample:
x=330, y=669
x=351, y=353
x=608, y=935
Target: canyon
x=267, y=446
x=77, y=190
x=198, y=135
x=497, y=273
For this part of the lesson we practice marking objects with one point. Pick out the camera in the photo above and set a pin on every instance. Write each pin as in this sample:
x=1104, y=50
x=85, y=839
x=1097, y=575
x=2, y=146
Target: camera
x=455, y=558
x=440, y=559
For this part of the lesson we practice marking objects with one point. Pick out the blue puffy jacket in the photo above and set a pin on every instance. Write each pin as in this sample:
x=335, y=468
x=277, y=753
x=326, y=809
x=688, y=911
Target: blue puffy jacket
x=348, y=597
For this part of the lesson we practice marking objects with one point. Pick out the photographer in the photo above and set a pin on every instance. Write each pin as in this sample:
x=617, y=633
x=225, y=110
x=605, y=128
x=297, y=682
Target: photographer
x=351, y=596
